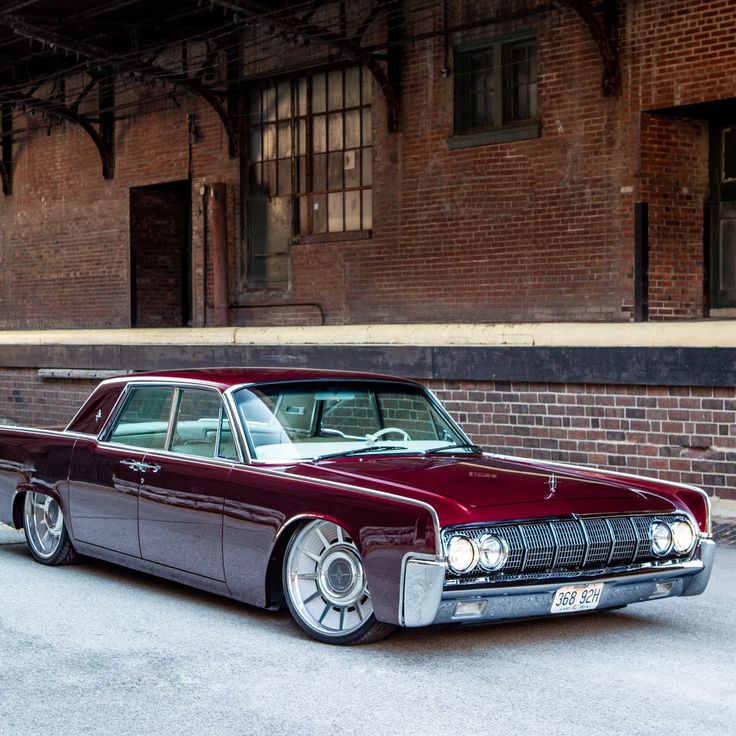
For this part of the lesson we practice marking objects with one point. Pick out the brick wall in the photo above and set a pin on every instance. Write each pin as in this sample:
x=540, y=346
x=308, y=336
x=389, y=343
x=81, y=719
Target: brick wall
x=28, y=400
x=674, y=181
x=684, y=435
x=532, y=230
x=64, y=232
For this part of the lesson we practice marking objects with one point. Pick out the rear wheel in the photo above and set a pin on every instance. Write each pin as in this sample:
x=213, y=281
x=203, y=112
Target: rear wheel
x=46, y=534
x=326, y=588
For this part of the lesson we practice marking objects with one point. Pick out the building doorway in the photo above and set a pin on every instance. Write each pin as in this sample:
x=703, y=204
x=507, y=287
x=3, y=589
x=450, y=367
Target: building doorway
x=723, y=215
x=161, y=255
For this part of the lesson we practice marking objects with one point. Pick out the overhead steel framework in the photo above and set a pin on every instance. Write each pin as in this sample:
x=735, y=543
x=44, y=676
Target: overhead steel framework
x=116, y=45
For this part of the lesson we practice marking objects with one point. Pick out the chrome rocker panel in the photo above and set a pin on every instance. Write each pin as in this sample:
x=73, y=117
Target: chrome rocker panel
x=425, y=602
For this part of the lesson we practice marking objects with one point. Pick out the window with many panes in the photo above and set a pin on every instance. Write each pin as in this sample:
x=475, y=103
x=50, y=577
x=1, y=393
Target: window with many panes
x=495, y=91
x=310, y=139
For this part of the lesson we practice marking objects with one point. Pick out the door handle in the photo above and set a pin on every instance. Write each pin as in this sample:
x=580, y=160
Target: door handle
x=141, y=467
x=133, y=464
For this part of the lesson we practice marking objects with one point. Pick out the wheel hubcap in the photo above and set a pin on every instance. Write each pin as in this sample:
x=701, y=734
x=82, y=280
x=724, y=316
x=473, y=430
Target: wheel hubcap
x=44, y=524
x=340, y=576
x=326, y=580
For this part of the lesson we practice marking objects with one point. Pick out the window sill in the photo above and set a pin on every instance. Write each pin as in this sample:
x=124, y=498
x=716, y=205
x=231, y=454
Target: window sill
x=332, y=237
x=493, y=137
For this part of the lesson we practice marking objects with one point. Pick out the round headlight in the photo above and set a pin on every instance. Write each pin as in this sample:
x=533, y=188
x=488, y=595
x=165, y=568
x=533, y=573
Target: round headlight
x=462, y=554
x=683, y=536
x=661, y=536
x=494, y=552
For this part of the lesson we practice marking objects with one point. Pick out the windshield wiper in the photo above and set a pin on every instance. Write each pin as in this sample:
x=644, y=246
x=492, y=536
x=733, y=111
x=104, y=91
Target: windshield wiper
x=358, y=451
x=455, y=446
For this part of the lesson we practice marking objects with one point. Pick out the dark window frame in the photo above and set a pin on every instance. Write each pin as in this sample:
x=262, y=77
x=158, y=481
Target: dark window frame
x=502, y=124
x=325, y=167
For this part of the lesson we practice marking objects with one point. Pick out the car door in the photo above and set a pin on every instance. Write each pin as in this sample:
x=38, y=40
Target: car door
x=182, y=491
x=105, y=474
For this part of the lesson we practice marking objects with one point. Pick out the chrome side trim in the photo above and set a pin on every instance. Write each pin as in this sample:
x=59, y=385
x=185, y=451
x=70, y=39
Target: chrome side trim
x=422, y=581
x=44, y=432
x=292, y=520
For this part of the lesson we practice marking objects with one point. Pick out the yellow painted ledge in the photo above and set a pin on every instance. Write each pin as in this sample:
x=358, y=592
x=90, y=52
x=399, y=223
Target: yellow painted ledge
x=699, y=334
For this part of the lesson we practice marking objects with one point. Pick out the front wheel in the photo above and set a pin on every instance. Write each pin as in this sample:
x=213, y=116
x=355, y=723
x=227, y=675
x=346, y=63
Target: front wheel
x=326, y=589
x=46, y=534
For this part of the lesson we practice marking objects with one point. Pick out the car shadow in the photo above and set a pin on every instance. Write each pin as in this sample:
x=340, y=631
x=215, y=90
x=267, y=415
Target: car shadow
x=430, y=641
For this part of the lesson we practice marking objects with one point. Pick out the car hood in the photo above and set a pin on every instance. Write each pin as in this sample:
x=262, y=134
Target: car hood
x=513, y=488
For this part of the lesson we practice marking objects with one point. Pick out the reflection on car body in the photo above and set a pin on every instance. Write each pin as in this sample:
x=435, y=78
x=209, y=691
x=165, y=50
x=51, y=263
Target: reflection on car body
x=353, y=499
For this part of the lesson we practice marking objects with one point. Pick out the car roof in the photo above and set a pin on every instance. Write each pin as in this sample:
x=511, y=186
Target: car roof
x=224, y=378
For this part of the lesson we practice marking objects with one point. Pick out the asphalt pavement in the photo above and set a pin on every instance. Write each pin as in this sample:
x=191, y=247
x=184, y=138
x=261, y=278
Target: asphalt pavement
x=96, y=649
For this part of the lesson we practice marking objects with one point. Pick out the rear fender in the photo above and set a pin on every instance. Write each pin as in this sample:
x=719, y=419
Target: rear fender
x=19, y=500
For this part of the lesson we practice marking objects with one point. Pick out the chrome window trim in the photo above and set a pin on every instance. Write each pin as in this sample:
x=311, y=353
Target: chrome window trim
x=434, y=402
x=177, y=387
x=243, y=443
x=167, y=455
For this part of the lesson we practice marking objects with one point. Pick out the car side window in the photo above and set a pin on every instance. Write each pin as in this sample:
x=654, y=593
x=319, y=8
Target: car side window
x=199, y=421
x=144, y=420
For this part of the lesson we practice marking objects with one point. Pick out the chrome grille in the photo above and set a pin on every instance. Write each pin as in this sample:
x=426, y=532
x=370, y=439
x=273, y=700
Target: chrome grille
x=600, y=541
x=624, y=533
x=539, y=547
x=566, y=546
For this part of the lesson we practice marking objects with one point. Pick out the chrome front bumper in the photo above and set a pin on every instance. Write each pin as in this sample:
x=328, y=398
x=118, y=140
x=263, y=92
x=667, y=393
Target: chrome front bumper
x=425, y=601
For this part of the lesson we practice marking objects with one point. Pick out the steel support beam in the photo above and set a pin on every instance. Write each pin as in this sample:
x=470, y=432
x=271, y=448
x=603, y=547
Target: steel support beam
x=605, y=43
x=64, y=113
x=106, y=89
x=347, y=48
x=6, y=159
x=137, y=69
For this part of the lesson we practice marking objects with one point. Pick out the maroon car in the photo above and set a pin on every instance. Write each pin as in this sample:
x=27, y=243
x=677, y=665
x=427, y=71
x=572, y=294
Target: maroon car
x=352, y=498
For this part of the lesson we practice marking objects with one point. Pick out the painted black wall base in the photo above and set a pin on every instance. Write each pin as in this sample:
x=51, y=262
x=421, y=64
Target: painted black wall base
x=601, y=365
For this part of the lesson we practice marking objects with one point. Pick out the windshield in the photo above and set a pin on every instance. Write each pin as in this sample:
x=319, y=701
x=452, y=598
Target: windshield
x=313, y=420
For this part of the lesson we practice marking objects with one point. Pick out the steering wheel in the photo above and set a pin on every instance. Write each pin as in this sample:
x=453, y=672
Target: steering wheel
x=387, y=430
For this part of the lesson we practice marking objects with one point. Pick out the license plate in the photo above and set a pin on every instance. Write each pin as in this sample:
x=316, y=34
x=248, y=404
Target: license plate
x=576, y=598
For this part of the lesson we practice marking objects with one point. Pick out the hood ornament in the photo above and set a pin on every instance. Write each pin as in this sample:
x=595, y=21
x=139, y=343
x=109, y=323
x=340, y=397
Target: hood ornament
x=552, y=485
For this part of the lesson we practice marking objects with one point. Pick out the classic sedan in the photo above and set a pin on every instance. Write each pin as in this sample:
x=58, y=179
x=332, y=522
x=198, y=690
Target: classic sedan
x=353, y=499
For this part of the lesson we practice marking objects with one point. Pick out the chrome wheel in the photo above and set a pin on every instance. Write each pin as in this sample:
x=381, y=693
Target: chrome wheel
x=44, y=526
x=325, y=584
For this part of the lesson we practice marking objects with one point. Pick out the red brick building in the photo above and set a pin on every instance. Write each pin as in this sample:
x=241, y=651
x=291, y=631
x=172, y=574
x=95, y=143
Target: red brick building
x=425, y=162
